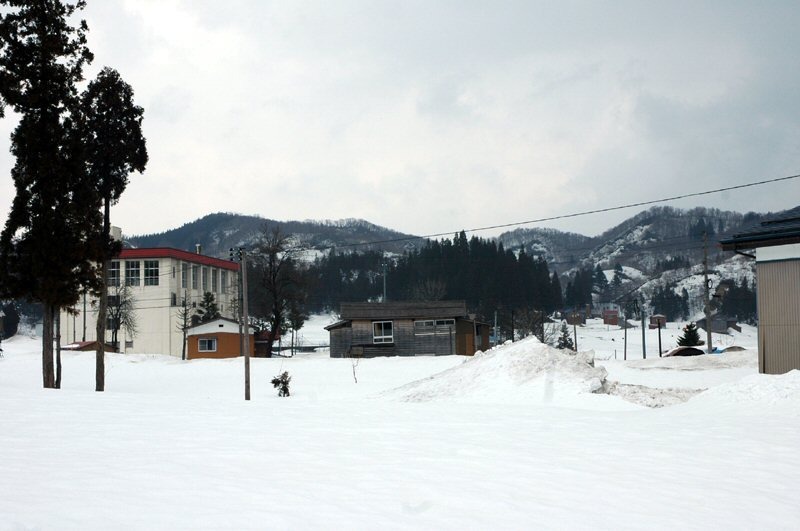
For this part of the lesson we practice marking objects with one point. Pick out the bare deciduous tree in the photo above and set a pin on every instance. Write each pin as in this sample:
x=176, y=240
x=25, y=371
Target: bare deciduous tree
x=279, y=281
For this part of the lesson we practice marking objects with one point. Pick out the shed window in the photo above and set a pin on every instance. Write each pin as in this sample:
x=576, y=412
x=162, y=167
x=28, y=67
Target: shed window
x=382, y=332
x=208, y=344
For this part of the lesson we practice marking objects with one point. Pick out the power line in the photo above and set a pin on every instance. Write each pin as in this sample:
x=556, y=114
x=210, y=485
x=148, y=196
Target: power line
x=578, y=214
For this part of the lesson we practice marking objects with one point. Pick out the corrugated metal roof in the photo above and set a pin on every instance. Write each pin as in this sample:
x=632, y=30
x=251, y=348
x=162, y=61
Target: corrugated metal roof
x=777, y=231
x=403, y=310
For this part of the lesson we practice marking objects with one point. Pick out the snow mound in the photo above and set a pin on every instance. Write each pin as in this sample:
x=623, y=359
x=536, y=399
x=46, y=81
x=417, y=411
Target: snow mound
x=652, y=397
x=758, y=390
x=523, y=372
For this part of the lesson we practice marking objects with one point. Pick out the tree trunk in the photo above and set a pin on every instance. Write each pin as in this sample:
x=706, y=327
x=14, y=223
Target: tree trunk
x=58, y=350
x=48, y=379
x=102, y=309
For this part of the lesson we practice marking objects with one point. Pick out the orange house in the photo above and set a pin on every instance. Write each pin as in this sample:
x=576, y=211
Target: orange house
x=216, y=339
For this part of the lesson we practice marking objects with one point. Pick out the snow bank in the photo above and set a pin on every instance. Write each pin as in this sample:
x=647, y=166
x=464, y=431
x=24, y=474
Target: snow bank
x=523, y=372
x=726, y=360
x=758, y=390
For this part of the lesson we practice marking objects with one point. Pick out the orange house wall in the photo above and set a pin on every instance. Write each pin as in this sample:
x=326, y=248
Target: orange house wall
x=227, y=346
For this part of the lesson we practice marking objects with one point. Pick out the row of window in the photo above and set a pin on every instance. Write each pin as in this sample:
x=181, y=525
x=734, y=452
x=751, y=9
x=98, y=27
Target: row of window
x=133, y=273
x=383, y=331
x=205, y=278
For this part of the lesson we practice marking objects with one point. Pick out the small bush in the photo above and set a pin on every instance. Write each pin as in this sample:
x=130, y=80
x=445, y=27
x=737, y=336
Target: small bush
x=281, y=383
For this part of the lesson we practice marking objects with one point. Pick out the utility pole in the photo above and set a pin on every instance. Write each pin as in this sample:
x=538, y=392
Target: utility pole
x=575, y=331
x=496, y=339
x=644, y=347
x=625, y=341
x=706, y=298
x=84, y=316
x=240, y=254
x=384, y=265
x=246, y=328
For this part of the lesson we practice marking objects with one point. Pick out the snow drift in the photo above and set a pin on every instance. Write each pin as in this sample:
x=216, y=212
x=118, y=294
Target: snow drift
x=526, y=371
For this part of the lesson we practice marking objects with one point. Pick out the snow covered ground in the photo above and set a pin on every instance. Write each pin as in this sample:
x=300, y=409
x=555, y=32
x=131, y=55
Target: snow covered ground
x=519, y=437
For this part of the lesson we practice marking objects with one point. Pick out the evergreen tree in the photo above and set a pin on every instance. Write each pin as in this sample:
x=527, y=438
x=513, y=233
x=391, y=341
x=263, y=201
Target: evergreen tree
x=690, y=337
x=56, y=211
x=565, y=339
x=111, y=126
x=208, y=309
x=616, y=282
x=599, y=280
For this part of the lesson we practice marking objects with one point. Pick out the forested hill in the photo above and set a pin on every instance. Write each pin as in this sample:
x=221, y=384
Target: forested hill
x=217, y=233
x=642, y=241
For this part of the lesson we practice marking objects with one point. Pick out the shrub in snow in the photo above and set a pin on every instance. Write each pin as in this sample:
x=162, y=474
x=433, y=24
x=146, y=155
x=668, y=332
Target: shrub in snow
x=565, y=340
x=690, y=337
x=281, y=383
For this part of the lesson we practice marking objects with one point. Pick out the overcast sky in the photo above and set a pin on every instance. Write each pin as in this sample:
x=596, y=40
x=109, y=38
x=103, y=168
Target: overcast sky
x=431, y=117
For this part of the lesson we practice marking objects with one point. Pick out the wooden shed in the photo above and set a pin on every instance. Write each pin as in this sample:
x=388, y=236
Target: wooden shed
x=406, y=329
x=777, y=253
x=216, y=339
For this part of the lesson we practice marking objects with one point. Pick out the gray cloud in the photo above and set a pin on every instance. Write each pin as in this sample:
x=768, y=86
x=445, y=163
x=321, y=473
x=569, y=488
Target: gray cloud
x=435, y=116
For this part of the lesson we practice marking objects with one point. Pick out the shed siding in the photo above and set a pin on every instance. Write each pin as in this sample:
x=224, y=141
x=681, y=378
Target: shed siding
x=227, y=346
x=778, y=298
x=341, y=339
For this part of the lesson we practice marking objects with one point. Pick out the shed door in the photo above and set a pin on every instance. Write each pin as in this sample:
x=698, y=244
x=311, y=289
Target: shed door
x=434, y=337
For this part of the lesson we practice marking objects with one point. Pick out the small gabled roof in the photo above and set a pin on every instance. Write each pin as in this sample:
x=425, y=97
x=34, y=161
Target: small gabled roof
x=403, y=310
x=214, y=325
x=777, y=231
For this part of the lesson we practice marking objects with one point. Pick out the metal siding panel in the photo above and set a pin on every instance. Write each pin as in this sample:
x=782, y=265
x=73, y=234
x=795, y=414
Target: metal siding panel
x=778, y=299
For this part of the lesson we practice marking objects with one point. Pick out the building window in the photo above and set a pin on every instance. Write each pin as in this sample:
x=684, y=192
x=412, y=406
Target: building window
x=129, y=344
x=223, y=280
x=382, y=332
x=195, y=276
x=445, y=322
x=207, y=344
x=214, y=285
x=174, y=299
x=151, y=272
x=113, y=273
x=132, y=273
x=184, y=275
x=205, y=279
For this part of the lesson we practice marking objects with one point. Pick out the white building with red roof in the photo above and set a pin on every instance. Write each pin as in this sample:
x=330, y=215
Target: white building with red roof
x=158, y=279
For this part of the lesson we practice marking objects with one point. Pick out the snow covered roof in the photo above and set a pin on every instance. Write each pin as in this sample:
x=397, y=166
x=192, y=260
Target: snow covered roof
x=777, y=231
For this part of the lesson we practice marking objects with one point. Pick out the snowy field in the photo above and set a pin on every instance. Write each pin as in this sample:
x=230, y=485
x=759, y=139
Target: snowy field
x=520, y=437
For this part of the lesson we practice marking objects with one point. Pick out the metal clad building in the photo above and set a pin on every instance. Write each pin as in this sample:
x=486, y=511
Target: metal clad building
x=777, y=246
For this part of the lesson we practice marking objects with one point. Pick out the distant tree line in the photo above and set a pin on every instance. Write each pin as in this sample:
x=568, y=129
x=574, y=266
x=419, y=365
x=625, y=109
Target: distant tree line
x=482, y=272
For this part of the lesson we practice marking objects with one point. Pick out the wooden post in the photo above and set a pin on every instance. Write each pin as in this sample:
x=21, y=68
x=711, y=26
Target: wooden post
x=659, y=338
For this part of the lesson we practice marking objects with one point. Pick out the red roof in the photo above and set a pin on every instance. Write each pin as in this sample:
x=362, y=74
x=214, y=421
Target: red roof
x=186, y=256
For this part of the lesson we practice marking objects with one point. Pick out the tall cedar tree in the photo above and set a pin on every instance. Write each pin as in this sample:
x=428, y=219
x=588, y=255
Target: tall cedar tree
x=114, y=148
x=49, y=245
